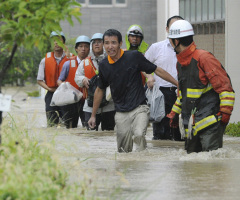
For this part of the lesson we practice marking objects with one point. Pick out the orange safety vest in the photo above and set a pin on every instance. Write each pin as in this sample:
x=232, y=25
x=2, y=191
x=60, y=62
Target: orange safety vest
x=72, y=71
x=90, y=71
x=52, y=69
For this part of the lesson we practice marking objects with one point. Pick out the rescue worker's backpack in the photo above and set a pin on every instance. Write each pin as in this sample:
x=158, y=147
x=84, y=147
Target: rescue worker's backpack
x=91, y=90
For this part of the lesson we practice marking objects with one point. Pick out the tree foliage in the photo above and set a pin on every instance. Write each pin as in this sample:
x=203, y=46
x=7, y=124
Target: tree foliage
x=29, y=23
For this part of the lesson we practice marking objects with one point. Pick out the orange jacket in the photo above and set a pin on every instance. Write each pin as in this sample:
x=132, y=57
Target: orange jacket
x=90, y=71
x=210, y=72
x=72, y=71
x=52, y=69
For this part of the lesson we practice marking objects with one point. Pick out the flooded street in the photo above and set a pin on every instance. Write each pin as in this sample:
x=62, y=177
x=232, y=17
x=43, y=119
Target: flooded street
x=163, y=171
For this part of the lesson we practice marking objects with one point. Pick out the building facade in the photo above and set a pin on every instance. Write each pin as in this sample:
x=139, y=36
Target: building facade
x=100, y=15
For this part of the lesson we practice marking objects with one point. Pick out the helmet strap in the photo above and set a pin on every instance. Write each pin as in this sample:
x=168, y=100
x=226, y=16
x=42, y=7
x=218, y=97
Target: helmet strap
x=175, y=48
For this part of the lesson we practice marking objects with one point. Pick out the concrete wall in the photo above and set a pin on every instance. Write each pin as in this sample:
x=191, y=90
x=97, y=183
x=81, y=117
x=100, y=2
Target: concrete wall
x=94, y=20
x=232, y=30
x=165, y=10
x=214, y=43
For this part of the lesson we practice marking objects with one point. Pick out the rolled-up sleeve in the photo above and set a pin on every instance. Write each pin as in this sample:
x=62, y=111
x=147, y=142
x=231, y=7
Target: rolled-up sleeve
x=41, y=71
x=65, y=71
x=80, y=74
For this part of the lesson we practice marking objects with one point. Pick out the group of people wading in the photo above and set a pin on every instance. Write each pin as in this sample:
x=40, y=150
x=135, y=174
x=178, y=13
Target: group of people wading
x=198, y=94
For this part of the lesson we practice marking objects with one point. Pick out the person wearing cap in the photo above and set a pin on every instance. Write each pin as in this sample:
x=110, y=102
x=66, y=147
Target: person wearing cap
x=162, y=54
x=134, y=39
x=121, y=71
x=206, y=97
x=49, y=70
x=72, y=112
x=88, y=69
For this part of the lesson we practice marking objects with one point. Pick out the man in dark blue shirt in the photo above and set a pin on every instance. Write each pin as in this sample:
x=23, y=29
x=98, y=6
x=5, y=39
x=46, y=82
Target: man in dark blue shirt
x=121, y=70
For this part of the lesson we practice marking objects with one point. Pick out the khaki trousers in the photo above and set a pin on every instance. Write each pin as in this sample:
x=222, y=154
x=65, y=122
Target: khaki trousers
x=131, y=127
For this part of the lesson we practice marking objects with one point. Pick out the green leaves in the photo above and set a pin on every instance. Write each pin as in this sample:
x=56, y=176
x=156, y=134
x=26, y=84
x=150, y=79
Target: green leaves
x=24, y=22
x=233, y=129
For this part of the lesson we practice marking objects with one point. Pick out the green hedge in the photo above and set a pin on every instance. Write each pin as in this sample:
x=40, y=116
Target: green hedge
x=233, y=129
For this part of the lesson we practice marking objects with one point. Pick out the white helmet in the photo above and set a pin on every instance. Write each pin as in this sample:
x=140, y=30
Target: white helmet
x=97, y=36
x=57, y=33
x=135, y=30
x=180, y=29
x=83, y=38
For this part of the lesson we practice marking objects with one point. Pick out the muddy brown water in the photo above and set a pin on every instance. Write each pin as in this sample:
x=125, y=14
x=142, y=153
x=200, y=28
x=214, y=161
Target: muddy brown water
x=163, y=171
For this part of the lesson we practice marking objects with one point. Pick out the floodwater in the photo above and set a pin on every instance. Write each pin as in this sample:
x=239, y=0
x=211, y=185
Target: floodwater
x=163, y=171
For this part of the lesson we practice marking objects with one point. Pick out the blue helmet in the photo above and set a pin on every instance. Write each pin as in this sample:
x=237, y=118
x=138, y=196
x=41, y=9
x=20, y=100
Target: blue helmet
x=82, y=38
x=97, y=36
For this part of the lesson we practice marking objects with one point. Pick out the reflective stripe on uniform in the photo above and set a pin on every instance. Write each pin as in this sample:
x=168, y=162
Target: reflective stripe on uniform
x=227, y=102
x=227, y=98
x=178, y=102
x=196, y=93
x=180, y=94
x=73, y=63
x=176, y=109
x=204, y=123
x=227, y=94
x=49, y=54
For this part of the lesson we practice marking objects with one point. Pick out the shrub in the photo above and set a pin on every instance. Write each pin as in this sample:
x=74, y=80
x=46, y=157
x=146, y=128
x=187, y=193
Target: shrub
x=29, y=171
x=233, y=129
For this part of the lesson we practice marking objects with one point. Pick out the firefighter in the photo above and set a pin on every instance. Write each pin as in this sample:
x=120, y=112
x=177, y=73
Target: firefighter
x=205, y=97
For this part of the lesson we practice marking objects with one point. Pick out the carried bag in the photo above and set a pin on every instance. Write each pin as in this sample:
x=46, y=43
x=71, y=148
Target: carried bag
x=65, y=94
x=93, y=82
x=155, y=100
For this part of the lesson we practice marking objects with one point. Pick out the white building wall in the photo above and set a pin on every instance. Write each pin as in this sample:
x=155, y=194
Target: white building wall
x=171, y=8
x=232, y=41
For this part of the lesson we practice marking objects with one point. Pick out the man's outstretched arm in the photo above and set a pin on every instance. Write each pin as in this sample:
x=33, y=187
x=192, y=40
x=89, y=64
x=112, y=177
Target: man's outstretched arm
x=165, y=75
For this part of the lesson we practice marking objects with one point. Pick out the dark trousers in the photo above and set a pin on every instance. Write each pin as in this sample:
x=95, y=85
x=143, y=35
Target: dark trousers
x=106, y=119
x=52, y=112
x=81, y=112
x=209, y=139
x=68, y=113
x=162, y=130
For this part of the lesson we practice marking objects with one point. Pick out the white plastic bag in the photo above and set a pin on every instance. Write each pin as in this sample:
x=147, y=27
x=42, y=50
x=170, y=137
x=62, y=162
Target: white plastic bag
x=108, y=94
x=65, y=94
x=155, y=99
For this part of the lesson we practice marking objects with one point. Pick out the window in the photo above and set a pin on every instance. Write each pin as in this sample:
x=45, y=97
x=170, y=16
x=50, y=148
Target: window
x=102, y=3
x=81, y=1
x=202, y=10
